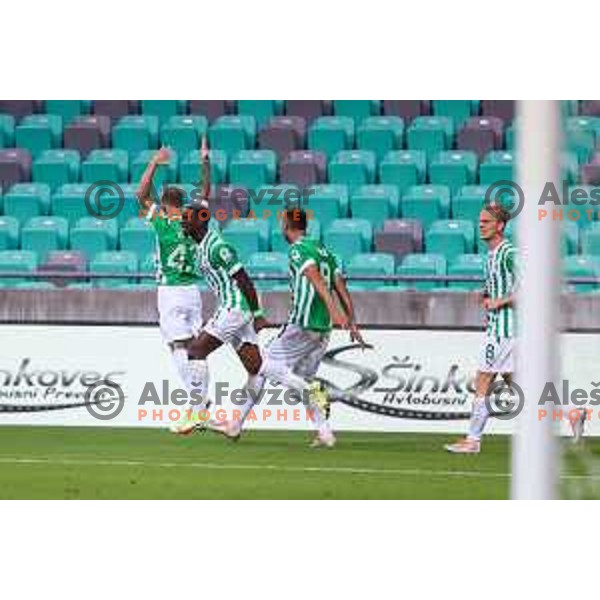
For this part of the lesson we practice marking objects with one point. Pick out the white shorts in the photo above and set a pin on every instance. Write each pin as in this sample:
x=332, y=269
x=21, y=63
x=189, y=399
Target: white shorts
x=180, y=312
x=233, y=327
x=299, y=349
x=497, y=356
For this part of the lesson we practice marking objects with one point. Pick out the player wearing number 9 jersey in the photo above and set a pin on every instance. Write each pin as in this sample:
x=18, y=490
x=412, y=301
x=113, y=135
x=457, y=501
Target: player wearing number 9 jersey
x=179, y=300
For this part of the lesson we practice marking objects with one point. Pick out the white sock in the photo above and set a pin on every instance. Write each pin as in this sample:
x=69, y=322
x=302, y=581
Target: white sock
x=197, y=380
x=180, y=359
x=479, y=417
x=254, y=386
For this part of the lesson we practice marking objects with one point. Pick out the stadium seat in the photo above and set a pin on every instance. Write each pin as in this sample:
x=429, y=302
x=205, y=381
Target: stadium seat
x=307, y=109
x=248, y=236
x=20, y=108
x=481, y=135
x=458, y=110
x=162, y=109
x=375, y=203
x=9, y=233
x=450, y=238
x=69, y=202
x=370, y=264
x=404, y=169
x=165, y=173
x=67, y=109
x=229, y=201
x=87, y=133
x=91, y=236
x=43, y=234
x=37, y=133
x=331, y=135
x=17, y=260
x=26, y=200
x=278, y=243
x=590, y=108
x=419, y=265
x=15, y=166
x=304, y=168
x=131, y=207
x=380, y=135
x=590, y=239
x=408, y=110
x=581, y=198
x=138, y=236
x=581, y=134
x=253, y=168
x=113, y=262
x=581, y=265
x=67, y=261
x=233, y=133
x=497, y=166
x=268, y=202
x=106, y=165
x=467, y=264
x=211, y=109
x=468, y=202
x=430, y=134
x=570, y=168
x=400, y=237
x=590, y=172
x=115, y=109
x=283, y=135
x=183, y=133
x=190, y=167
x=57, y=167
x=136, y=133
x=353, y=168
x=7, y=131
x=328, y=202
x=570, y=239
x=503, y=109
x=356, y=109
x=453, y=168
x=267, y=263
x=427, y=203
x=347, y=237
x=262, y=110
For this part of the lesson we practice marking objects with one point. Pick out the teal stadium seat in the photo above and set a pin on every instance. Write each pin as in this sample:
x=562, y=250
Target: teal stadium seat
x=454, y=168
x=467, y=264
x=468, y=202
x=581, y=265
x=9, y=233
x=253, y=168
x=261, y=110
x=328, y=202
x=581, y=134
x=380, y=135
x=138, y=236
x=347, y=237
x=106, y=165
x=450, y=238
x=268, y=263
x=184, y=133
x=570, y=239
x=404, y=169
x=38, y=133
x=422, y=264
x=458, y=110
x=375, y=203
x=248, y=236
x=67, y=109
x=370, y=264
x=497, y=166
x=358, y=110
x=353, y=168
x=163, y=110
x=190, y=167
x=165, y=173
x=114, y=262
x=430, y=134
x=587, y=198
x=16, y=260
x=7, y=131
x=69, y=202
x=426, y=203
x=44, y=234
x=233, y=133
x=331, y=135
x=136, y=133
x=590, y=240
x=92, y=236
x=56, y=167
x=26, y=200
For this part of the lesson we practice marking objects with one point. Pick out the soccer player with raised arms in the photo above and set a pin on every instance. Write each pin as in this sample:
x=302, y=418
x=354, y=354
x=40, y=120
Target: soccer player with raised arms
x=497, y=351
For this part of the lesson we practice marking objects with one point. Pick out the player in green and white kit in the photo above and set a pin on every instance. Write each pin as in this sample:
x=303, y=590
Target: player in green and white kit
x=497, y=351
x=179, y=300
x=300, y=345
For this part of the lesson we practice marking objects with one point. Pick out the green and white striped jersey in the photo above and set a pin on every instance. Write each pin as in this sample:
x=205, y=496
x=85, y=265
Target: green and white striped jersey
x=308, y=309
x=175, y=251
x=219, y=262
x=500, y=282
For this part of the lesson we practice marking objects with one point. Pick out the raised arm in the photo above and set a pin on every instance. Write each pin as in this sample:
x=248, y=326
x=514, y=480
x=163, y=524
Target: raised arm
x=205, y=169
x=145, y=190
x=316, y=280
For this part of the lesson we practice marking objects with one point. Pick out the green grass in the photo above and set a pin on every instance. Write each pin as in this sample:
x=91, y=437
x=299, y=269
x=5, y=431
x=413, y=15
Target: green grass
x=98, y=463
